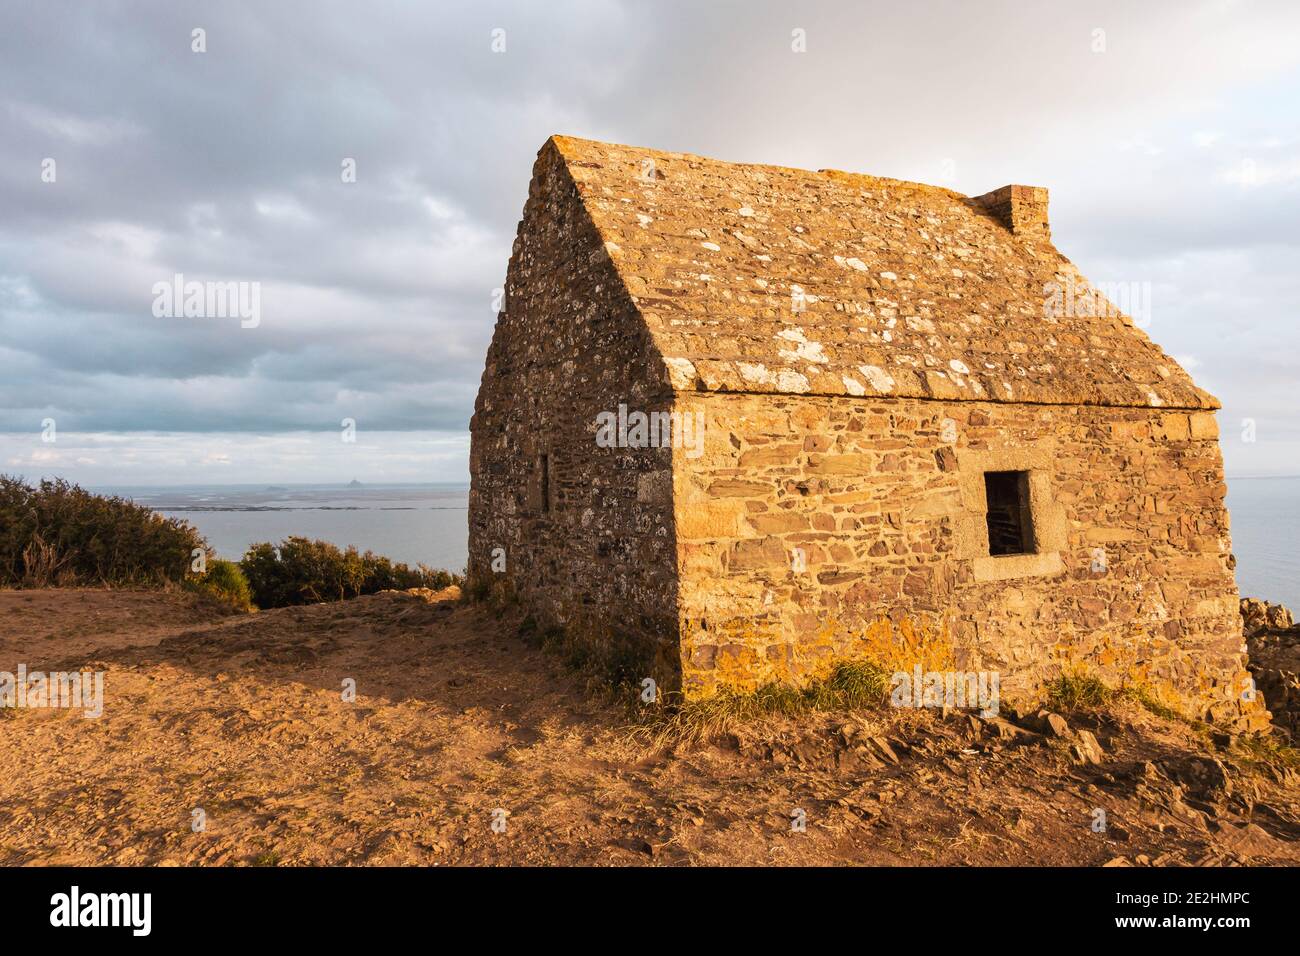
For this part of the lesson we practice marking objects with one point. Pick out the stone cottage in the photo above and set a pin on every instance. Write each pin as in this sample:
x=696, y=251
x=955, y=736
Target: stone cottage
x=742, y=422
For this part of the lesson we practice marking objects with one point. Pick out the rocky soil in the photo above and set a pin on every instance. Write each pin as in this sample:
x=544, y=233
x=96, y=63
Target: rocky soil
x=457, y=724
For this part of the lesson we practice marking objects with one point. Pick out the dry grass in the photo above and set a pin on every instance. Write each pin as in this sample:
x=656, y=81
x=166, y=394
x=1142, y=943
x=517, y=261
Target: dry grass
x=1140, y=694
x=856, y=685
x=611, y=666
x=1082, y=692
x=1268, y=752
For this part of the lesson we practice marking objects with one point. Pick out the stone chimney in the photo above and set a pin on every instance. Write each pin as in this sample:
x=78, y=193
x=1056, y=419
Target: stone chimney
x=1022, y=209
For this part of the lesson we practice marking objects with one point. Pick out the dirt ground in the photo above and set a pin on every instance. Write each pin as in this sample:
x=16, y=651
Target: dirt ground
x=455, y=718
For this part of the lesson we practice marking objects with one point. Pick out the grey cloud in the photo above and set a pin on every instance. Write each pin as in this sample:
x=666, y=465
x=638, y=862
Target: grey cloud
x=225, y=166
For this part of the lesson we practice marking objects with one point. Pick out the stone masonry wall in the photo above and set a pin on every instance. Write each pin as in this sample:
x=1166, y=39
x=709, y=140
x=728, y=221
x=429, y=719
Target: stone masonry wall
x=884, y=502
x=598, y=557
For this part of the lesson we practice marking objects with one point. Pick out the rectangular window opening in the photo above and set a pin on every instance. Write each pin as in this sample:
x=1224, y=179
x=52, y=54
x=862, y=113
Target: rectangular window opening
x=1011, y=529
x=546, y=483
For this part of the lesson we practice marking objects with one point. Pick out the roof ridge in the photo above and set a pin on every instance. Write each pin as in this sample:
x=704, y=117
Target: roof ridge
x=561, y=140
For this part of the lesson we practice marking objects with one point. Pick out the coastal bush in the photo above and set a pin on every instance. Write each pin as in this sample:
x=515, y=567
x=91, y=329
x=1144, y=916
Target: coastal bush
x=225, y=582
x=305, y=571
x=57, y=533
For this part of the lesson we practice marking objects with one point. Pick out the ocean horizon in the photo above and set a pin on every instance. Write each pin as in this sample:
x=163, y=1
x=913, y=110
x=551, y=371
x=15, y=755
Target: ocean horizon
x=424, y=523
x=428, y=522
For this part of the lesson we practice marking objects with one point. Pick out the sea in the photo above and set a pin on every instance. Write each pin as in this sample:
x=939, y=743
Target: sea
x=428, y=523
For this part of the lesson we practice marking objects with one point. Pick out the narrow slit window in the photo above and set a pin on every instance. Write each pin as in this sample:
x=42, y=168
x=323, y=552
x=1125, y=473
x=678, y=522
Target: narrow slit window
x=546, y=483
x=1011, y=529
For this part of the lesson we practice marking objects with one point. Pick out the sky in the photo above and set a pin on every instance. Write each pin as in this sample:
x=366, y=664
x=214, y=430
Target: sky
x=364, y=167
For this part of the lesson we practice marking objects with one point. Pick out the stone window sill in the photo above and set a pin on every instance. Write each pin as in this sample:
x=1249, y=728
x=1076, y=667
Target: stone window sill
x=1006, y=566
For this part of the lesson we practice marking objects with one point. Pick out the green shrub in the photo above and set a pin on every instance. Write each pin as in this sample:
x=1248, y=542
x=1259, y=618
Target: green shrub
x=224, y=581
x=57, y=533
x=303, y=571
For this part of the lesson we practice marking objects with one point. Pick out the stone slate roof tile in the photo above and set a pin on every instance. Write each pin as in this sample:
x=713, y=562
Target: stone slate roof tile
x=766, y=279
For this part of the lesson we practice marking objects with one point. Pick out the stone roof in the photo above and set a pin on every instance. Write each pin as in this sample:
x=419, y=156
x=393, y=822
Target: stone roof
x=766, y=279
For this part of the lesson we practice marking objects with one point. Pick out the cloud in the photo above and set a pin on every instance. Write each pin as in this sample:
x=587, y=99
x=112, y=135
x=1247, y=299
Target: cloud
x=168, y=458
x=1164, y=151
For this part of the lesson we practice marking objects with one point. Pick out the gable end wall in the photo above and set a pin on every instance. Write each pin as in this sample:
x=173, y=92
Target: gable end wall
x=599, y=561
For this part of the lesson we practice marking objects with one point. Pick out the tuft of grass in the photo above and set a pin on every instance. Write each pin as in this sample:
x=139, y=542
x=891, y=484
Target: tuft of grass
x=488, y=589
x=1143, y=696
x=853, y=685
x=610, y=664
x=476, y=589
x=858, y=684
x=1073, y=692
x=1268, y=751
x=1083, y=692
